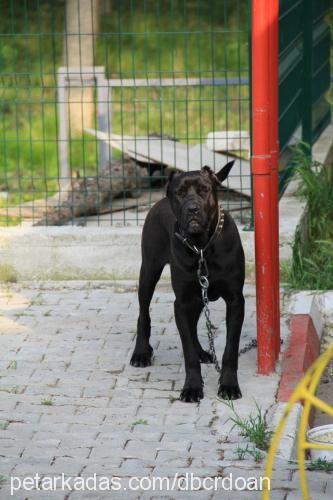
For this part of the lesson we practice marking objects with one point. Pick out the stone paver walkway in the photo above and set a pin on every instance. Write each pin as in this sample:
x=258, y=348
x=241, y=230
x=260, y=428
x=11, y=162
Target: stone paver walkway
x=71, y=403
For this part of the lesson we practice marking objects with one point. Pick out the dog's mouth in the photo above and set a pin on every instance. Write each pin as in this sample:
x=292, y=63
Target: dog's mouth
x=194, y=225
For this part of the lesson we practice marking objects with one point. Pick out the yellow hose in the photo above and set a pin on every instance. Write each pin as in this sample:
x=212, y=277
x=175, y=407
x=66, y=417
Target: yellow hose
x=304, y=392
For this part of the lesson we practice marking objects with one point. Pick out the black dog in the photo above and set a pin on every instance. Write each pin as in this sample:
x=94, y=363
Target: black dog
x=188, y=218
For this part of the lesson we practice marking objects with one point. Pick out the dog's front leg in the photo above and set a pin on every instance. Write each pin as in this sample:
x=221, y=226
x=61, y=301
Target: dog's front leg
x=228, y=384
x=192, y=390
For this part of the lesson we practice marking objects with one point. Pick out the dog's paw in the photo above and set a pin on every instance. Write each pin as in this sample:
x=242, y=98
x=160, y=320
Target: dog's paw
x=142, y=359
x=229, y=391
x=205, y=357
x=191, y=394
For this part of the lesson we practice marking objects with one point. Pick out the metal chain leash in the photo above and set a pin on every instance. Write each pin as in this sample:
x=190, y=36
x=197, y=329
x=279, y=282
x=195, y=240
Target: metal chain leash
x=250, y=345
x=202, y=274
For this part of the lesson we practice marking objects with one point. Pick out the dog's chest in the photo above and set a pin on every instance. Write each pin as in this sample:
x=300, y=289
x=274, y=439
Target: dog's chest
x=214, y=292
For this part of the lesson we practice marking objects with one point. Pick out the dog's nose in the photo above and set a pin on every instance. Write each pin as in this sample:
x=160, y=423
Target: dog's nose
x=193, y=208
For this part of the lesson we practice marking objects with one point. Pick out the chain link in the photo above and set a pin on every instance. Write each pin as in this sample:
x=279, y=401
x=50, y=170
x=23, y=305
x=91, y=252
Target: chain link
x=250, y=345
x=204, y=283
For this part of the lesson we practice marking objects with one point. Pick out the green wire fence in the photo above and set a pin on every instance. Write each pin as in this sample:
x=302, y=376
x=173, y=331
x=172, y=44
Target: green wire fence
x=101, y=99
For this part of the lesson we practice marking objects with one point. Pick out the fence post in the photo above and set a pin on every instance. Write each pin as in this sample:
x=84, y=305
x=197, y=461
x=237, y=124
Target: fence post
x=264, y=212
x=307, y=75
x=274, y=150
x=64, y=170
x=104, y=119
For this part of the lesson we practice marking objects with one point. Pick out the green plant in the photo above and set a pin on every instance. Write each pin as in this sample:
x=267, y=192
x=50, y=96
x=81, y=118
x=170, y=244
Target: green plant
x=47, y=402
x=2, y=480
x=3, y=426
x=7, y=273
x=140, y=421
x=256, y=454
x=321, y=464
x=37, y=301
x=312, y=262
x=12, y=365
x=241, y=452
x=172, y=399
x=254, y=427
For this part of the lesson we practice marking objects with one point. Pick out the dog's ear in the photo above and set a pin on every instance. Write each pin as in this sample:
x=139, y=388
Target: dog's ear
x=224, y=172
x=207, y=171
x=220, y=176
x=167, y=187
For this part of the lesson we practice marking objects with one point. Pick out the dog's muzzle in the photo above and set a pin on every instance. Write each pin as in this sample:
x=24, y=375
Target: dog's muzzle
x=193, y=217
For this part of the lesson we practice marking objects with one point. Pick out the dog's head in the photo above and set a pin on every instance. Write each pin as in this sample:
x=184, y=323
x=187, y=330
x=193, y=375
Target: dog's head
x=193, y=197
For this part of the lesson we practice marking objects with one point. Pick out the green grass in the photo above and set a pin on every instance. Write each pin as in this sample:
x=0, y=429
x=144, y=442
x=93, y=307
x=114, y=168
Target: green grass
x=47, y=402
x=242, y=452
x=312, y=262
x=321, y=464
x=257, y=455
x=140, y=421
x=7, y=273
x=253, y=428
x=172, y=399
x=184, y=39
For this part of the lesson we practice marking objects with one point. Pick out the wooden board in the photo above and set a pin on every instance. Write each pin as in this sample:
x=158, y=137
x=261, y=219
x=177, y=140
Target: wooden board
x=231, y=140
x=180, y=156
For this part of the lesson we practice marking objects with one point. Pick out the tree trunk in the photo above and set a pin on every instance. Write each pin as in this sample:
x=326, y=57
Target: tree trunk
x=92, y=195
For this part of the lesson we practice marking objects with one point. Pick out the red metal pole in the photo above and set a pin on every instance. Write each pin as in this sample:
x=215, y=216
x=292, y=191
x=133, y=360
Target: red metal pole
x=274, y=149
x=261, y=170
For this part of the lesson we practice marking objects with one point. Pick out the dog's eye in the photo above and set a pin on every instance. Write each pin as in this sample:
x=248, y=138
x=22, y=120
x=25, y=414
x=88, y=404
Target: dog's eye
x=204, y=189
x=181, y=192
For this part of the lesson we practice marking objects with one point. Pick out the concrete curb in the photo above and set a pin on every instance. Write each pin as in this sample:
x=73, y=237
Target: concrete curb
x=306, y=327
x=81, y=253
x=287, y=446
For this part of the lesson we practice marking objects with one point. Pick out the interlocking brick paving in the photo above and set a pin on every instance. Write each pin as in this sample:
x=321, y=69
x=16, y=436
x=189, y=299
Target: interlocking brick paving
x=71, y=403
